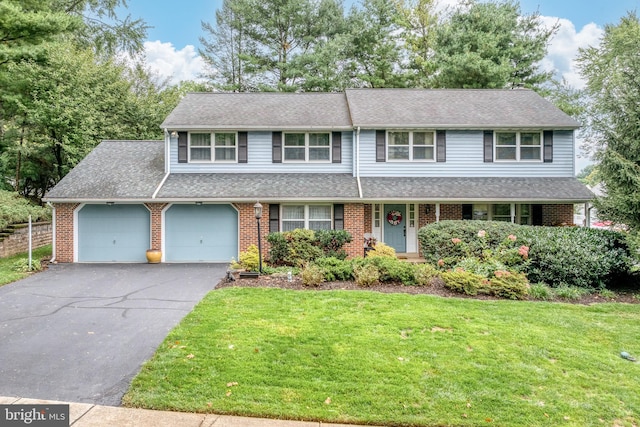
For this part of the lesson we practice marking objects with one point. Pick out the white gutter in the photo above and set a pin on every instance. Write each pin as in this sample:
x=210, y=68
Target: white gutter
x=358, y=162
x=53, y=233
x=167, y=162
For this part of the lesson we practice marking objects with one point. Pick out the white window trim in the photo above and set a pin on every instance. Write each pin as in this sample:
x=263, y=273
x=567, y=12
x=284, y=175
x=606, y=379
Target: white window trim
x=212, y=148
x=306, y=214
x=306, y=147
x=517, y=147
x=515, y=214
x=411, y=146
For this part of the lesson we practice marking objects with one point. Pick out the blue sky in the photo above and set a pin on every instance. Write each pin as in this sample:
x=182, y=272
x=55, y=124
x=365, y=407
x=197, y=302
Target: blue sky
x=178, y=22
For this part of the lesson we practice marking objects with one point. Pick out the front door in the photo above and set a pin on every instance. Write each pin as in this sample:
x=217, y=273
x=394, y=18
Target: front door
x=395, y=227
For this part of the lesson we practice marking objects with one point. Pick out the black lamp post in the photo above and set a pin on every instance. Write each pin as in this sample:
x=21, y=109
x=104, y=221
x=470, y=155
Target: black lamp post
x=257, y=210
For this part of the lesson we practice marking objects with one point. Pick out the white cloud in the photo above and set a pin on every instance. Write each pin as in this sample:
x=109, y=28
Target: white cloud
x=177, y=65
x=564, y=47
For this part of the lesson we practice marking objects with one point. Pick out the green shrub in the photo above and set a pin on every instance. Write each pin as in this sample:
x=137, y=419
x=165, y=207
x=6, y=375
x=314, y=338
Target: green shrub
x=541, y=291
x=508, y=284
x=607, y=294
x=249, y=259
x=332, y=241
x=390, y=269
x=15, y=209
x=424, y=273
x=463, y=281
x=573, y=255
x=22, y=265
x=366, y=275
x=481, y=268
x=300, y=246
x=312, y=275
x=381, y=250
x=335, y=268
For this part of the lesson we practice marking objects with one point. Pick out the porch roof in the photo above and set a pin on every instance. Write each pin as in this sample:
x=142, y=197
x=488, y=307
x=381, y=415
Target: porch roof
x=544, y=190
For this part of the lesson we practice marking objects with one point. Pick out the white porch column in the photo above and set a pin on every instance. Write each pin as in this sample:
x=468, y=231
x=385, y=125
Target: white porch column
x=437, y=212
x=587, y=215
x=513, y=213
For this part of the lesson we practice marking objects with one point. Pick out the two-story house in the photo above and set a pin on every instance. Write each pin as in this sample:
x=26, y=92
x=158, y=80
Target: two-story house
x=372, y=161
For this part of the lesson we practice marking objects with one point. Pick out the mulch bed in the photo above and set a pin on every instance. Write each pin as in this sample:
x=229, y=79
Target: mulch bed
x=436, y=288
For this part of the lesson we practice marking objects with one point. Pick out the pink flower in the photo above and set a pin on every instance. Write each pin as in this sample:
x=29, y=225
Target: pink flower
x=441, y=262
x=455, y=240
x=512, y=237
x=482, y=233
x=524, y=251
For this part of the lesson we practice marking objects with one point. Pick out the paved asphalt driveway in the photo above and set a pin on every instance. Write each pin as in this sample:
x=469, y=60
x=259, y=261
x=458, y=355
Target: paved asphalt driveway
x=80, y=332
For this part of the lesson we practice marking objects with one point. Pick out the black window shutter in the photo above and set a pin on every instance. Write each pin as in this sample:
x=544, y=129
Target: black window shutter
x=467, y=211
x=488, y=146
x=182, y=147
x=441, y=146
x=536, y=214
x=274, y=218
x=243, y=152
x=276, y=147
x=338, y=217
x=336, y=147
x=381, y=155
x=548, y=146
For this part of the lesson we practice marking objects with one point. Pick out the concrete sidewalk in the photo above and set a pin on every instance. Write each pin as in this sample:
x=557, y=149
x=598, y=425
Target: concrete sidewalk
x=88, y=415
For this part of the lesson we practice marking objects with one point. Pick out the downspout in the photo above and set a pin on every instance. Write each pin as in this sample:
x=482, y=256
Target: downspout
x=53, y=232
x=167, y=162
x=358, y=162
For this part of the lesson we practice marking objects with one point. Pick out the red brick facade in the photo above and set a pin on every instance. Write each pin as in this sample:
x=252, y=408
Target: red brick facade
x=64, y=231
x=357, y=221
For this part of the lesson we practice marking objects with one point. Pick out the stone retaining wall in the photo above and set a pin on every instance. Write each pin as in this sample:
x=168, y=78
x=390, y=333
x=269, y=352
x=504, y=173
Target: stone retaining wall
x=18, y=241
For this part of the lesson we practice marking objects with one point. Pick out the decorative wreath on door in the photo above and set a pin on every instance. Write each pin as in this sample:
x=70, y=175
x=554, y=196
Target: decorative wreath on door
x=394, y=217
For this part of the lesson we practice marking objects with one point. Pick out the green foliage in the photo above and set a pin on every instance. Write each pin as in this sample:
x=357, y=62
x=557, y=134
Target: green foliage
x=573, y=255
x=283, y=270
x=334, y=268
x=249, y=259
x=22, y=265
x=312, y=275
x=491, y=45
x=366, y=274
x=510, y=285
x=612, y=73
x=425, y=273
x=381, y=250
x=541, y=291
x=300, y=246
x=570, y=292
x=484, y=268
x=390, y=269
x=462, y=281
x=15, y=209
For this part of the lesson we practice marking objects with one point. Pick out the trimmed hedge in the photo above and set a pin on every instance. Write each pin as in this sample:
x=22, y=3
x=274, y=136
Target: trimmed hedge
x=574, y=256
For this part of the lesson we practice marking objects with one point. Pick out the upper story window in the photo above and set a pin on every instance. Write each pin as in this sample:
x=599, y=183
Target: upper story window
x=410, y=145
x=223, y=149
x=307, y=147
x=518, y=146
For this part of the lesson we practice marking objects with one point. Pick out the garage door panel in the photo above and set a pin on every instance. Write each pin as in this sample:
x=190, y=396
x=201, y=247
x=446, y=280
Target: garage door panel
x=116, y=233
x=201, y=233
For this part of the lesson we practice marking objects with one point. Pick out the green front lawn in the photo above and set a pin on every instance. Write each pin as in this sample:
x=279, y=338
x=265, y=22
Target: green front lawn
x=8, y=273
x=397, y=359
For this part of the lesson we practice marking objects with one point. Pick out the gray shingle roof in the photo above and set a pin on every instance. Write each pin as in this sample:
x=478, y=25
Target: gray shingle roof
x=114, y=170
x=476, y=189
x=454, y=108
x=260, y=186
x=264, y=110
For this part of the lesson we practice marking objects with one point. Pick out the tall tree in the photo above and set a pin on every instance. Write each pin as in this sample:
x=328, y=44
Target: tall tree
x=612, y=72
x=419, y=21
x=491, y=45
x=269, y=44
x=376, y=45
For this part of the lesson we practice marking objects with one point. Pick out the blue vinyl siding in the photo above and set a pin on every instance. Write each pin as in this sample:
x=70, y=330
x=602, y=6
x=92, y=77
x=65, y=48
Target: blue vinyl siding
x=465, y=158
x=117, y=233
x=259, y=159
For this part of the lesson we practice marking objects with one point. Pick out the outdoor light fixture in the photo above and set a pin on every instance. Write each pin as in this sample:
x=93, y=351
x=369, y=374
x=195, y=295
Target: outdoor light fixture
x=198, y=203
x=257, y=210
x=174, y=134
x=110, y=203
x=427, y=209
